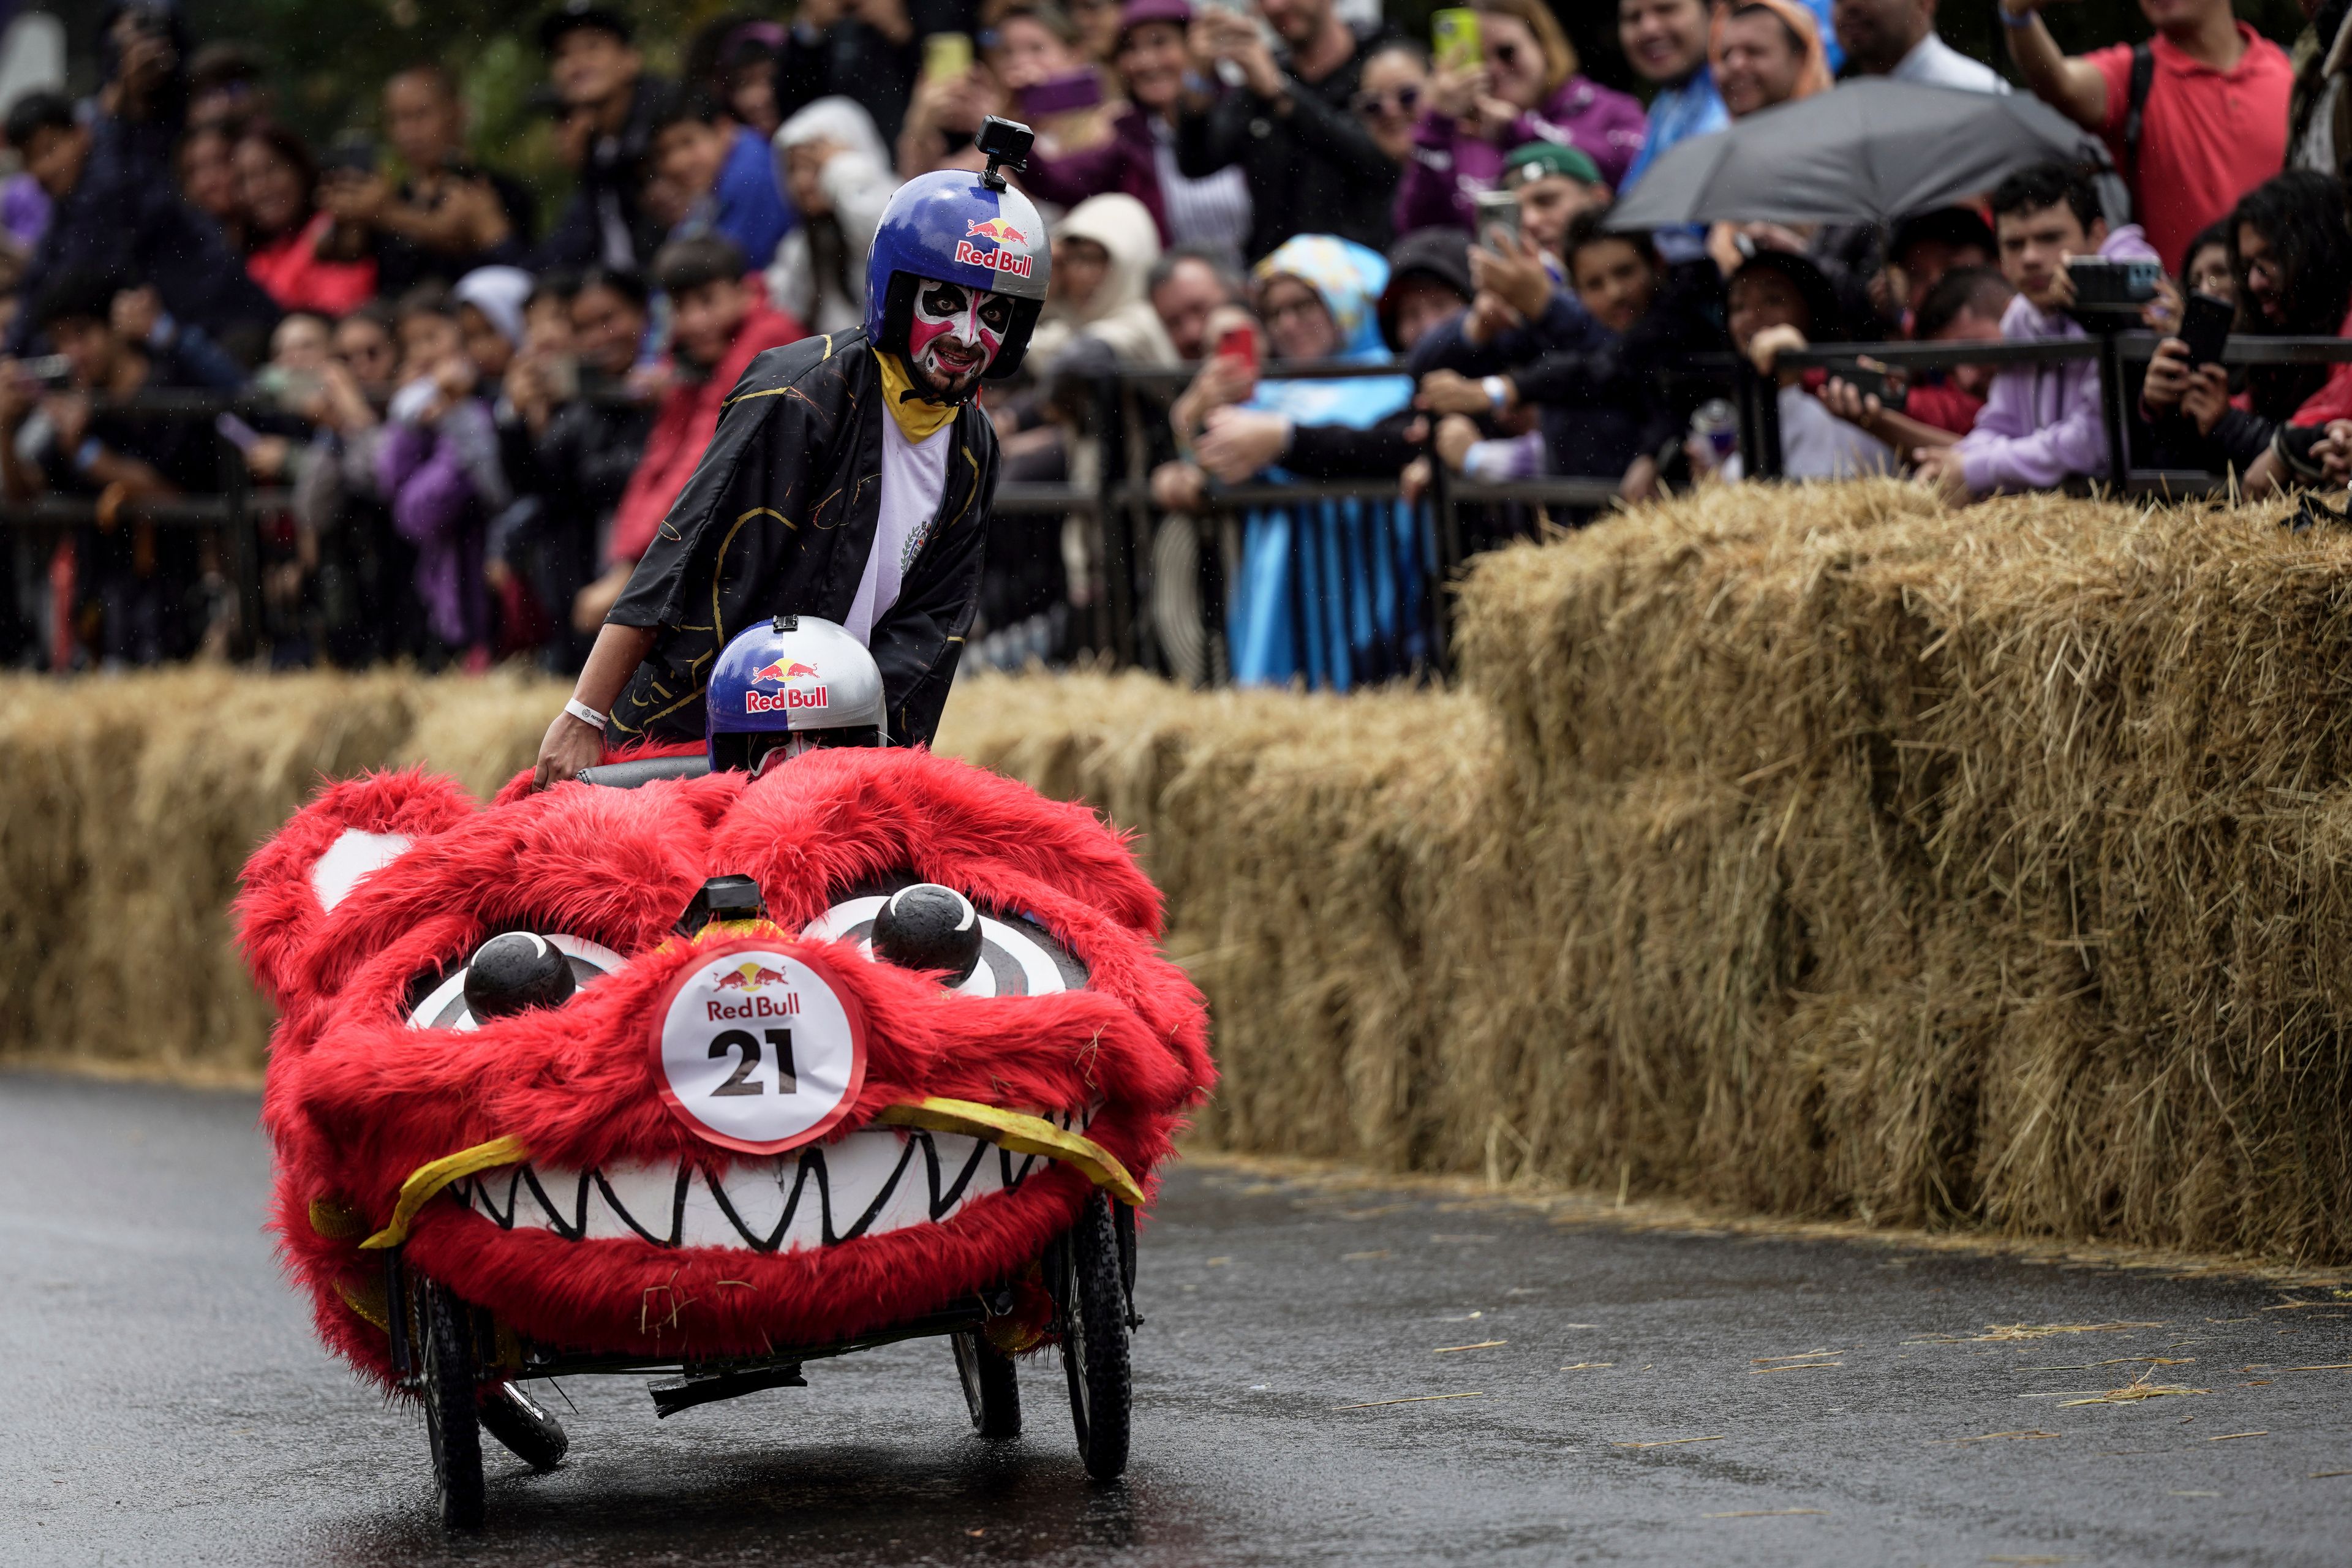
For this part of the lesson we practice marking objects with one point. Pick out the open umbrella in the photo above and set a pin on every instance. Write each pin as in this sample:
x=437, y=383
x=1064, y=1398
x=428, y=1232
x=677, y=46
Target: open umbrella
x=1869, y=149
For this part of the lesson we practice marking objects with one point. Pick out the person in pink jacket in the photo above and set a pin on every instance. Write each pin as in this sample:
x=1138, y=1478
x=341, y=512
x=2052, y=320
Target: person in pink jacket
x=2041, y=425
x=1528, y=89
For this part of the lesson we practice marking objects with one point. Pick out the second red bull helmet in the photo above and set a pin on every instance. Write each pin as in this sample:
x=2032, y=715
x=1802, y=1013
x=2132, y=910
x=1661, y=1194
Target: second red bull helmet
x=788, y=686
x=955, y=226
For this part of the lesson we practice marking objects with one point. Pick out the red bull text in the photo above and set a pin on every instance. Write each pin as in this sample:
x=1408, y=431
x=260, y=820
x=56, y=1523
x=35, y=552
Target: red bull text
x=998, y=260
x=783, y=701
x=783, y=1007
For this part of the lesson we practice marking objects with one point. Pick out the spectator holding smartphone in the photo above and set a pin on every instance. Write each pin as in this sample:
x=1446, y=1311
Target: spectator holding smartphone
x=610, y=102
x=2211, y=118
x=1965, y=306
x=278, y=184
x=1526, y=88
x=2291, y=259
x=2041, y=425
x=1311, y=166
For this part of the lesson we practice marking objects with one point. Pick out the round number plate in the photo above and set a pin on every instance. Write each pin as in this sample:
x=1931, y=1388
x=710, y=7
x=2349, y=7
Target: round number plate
x=756, y=1049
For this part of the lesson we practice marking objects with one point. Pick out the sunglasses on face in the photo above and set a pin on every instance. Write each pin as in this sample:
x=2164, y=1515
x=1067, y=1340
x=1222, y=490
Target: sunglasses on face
x=1507, y=55
x=1404, y=99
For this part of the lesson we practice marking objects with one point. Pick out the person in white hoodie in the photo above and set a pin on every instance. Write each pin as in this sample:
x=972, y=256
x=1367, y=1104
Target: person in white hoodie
x=836, y=169
x=1104, y=251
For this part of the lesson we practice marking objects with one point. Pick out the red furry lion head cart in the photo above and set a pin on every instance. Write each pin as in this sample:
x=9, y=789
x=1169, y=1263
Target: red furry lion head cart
x=713, y=1078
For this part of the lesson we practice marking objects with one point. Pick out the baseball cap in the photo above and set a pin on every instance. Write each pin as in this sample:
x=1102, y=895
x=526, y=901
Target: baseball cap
x=573, y=15
x=1136, y=13
x=1536, y=160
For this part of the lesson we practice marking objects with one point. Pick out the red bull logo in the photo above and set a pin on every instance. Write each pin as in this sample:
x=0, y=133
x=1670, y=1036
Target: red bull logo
x=782, y=670
x=749, y=979
x=784, y=701
x=999, y=260
x=997, y=229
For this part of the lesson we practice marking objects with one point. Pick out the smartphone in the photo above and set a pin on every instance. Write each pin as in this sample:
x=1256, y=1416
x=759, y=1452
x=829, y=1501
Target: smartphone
x=1498, y=209
x=1872, y=380
x=353, y=152
x=2205, y=328
x=54, y=372
x=1061, y=94
x=1239, y=344
x=946, y=56
x=1453, y=39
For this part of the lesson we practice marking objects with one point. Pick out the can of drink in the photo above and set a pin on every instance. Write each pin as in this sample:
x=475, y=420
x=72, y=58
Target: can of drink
x=1717, y=424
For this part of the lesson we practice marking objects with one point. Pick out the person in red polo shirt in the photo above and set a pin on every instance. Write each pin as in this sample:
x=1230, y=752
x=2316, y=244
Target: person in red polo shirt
x=2214, y=125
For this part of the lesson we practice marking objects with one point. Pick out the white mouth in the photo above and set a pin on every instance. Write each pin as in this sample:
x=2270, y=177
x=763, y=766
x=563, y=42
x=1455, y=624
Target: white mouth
x=874, y=1181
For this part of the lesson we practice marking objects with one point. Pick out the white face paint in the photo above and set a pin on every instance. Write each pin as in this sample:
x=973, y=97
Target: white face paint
x=955, y=334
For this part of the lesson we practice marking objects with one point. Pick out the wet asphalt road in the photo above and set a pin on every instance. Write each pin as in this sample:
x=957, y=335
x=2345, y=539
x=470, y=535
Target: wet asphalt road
x=164, y=1401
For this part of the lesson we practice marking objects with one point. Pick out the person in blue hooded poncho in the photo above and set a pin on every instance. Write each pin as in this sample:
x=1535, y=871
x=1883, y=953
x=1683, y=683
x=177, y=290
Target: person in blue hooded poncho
x=1332, y=592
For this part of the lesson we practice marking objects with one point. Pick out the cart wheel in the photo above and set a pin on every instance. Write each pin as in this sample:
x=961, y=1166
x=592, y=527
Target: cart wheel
x=519, y=1421
x=451, y=1421
x=990, y=1386
x=1094, y=1342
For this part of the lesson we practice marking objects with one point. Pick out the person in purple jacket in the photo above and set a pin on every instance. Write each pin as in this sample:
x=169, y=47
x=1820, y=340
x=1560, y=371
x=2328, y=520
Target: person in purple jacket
x=1139, y=158
x=1528, y=90
x=2041, y=425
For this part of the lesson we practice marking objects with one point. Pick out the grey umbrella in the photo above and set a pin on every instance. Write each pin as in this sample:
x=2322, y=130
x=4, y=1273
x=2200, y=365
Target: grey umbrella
x=1868, y=148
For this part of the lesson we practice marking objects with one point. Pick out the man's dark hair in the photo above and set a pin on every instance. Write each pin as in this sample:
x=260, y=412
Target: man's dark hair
x=684, y=265
x=1952, y=226
x=378, y=313
x=697, y=106
x=559, y=283
x=78, y=294
x=2045, y=186
x=626, y=281
x=1207, y=256
x=1590, y=227
x=223, y=65
x=430, y=298
x=1978, y=291
x=574, y=16
x=2301, y=217
x=35, y=112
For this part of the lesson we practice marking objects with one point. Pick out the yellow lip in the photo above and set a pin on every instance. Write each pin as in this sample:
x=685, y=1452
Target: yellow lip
x=1009, y=1129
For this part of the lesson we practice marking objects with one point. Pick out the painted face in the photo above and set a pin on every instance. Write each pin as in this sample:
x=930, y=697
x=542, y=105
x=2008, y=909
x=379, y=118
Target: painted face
x=955, y=334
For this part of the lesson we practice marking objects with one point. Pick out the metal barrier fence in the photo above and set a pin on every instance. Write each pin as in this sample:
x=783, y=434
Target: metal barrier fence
x=1166, y=580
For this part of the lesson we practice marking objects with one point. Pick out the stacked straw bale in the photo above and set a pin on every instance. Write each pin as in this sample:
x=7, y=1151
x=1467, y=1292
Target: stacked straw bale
x=1816, y=851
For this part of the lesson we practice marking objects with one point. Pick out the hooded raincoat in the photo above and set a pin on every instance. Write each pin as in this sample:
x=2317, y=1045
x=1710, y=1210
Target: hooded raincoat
x=819, y=273
x=1332, y=591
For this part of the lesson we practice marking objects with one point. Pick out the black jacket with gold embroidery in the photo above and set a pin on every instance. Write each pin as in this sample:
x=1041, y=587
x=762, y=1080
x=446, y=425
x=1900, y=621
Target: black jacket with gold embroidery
x=778, y=519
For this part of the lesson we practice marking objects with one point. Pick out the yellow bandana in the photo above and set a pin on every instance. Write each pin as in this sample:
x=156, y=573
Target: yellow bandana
x=919, y=418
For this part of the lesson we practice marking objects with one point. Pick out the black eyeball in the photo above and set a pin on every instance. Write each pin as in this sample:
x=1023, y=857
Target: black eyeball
x=928, y=927
x=520, y=969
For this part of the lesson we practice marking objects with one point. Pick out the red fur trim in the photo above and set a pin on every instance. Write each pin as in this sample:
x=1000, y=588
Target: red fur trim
x=356, y=1100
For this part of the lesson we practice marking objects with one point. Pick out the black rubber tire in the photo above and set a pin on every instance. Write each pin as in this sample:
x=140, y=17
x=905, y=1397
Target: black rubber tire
x=523, y=1425
x=452, y=1419
x=992, y=1385
x=1094, y=1342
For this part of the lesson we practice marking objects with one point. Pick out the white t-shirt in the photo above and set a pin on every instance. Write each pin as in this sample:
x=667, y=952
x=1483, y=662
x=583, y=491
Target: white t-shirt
x=914, y=481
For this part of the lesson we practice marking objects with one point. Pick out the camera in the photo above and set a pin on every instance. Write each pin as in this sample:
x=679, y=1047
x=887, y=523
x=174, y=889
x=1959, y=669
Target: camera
x=1003, y=141
x=53, y=371
x=2108, y=294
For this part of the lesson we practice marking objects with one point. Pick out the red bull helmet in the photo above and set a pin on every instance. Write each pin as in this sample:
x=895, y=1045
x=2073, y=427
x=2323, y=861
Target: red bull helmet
x=789, y=686
x=970, y=230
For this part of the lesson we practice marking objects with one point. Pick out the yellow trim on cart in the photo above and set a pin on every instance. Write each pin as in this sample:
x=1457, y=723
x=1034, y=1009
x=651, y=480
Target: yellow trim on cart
x=1021, y=1134
x=428, y=1180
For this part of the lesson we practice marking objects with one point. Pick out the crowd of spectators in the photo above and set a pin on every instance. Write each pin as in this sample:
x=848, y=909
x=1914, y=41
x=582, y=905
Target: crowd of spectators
x=469, y=414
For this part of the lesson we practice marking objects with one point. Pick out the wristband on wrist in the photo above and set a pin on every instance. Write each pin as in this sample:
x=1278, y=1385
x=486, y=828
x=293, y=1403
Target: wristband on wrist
x=87, y=455
x=585, y=715
x=2015, y=21
x=1498, y=391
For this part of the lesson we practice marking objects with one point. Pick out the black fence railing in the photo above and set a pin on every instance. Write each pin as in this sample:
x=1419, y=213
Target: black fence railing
x=1168, y=581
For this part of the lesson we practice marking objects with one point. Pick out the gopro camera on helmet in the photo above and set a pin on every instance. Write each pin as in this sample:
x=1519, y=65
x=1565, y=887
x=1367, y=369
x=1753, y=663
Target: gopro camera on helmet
x=788, y=686
x=1003, y=141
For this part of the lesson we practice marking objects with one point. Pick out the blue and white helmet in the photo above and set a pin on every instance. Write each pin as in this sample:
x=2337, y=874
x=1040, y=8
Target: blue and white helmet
x=953, y=227
x=788, y=686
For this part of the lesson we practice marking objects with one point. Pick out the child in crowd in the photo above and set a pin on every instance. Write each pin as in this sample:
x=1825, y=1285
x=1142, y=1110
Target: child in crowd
x=1780, y=301
x=437, y=467
x=726, y=175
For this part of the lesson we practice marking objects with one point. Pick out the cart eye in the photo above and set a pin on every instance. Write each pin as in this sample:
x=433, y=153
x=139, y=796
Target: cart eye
x=508, y=974
x=901, y=920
